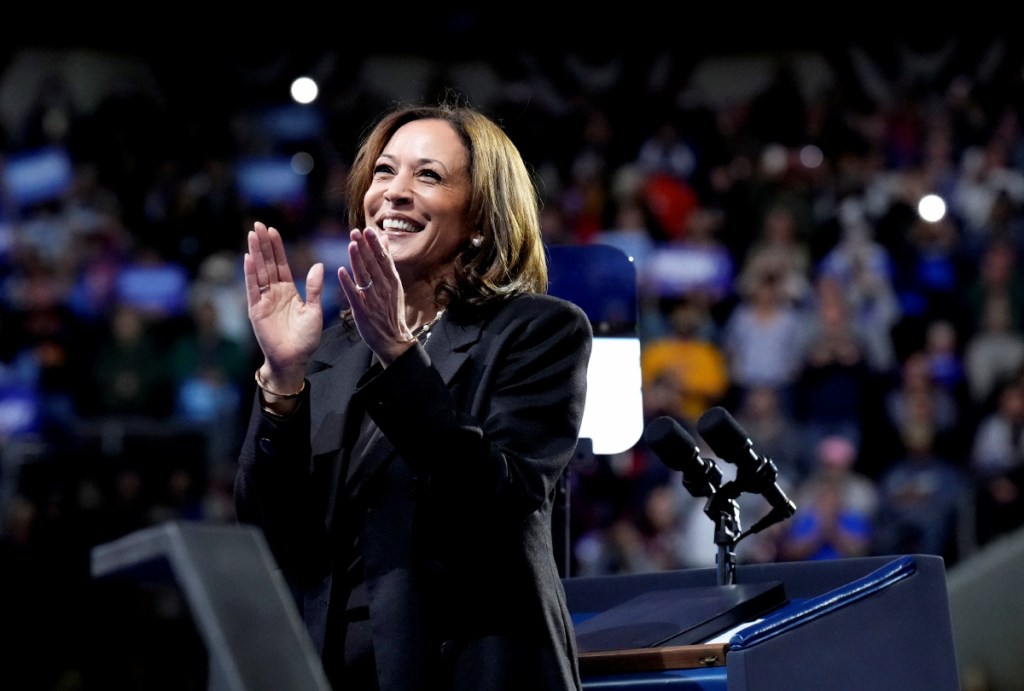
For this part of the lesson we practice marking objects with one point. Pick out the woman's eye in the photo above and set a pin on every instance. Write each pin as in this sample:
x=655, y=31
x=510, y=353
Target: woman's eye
x=382, y=169
x=431, y=174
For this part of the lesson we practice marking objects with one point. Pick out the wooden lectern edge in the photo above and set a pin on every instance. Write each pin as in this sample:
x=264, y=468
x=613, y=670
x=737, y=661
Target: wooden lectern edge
x=653, y=659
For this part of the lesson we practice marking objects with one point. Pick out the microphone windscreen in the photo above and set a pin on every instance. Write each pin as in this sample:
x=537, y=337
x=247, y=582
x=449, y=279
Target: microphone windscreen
x=723, y=433
x=671, y=442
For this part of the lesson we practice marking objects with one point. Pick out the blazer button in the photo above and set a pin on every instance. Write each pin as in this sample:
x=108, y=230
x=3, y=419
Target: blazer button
x=266, y=445
x=447, y=649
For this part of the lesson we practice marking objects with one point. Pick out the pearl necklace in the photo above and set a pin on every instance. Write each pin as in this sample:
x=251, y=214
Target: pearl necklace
x=424, y=329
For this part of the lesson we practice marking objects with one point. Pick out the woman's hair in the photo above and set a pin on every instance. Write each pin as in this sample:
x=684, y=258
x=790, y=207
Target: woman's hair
x=503, y=205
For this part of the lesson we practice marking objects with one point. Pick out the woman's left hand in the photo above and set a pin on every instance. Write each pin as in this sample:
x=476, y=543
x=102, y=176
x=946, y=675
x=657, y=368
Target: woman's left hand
x=376, y=296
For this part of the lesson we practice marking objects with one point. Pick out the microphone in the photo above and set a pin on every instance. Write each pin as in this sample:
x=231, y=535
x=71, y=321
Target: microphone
x=754, y=473
x=678, y=450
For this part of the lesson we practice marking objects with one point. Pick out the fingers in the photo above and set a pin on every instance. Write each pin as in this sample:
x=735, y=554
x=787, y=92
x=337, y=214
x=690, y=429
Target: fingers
x=360, y=271
x=348, y=285
x=261, y=248
x=367, y=276
x=269, y=261
x=252, y=291
x=254, y=266
x=375, y=242
x=377, y=245
x=280, y=265
x=369, y=258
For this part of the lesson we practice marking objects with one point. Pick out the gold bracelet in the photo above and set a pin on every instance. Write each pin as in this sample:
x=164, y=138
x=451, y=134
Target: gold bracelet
x=259, y=383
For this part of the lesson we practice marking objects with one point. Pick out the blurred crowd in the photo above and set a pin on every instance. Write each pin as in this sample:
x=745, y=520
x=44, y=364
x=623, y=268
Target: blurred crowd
x=784, y=273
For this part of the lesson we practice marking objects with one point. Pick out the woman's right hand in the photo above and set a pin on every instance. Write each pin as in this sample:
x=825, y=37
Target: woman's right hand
x=286, y=327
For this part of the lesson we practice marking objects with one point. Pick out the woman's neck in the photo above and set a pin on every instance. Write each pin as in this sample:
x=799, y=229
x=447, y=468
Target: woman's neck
x=420, y=307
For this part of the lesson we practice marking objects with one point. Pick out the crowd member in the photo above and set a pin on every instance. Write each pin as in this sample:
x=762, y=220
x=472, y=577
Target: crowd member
x=993, y=353
x=131, y=376
x=763, y=340
x=918, y=398
x=686, y=364
x=835, y=378
x=837, y=507
x=998, y=278
x=997, y=464
x=207, y=368
x=863, y=269
x=403, y=462
x=944, y=353
x=923, y=495
x=780, y=247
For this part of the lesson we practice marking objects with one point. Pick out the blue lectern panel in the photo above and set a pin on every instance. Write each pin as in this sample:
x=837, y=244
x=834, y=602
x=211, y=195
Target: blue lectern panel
x=880, y=623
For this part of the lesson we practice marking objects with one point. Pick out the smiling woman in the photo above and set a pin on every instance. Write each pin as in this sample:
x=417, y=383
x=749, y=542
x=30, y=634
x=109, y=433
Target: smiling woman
x=418, y=198
x=404, y=463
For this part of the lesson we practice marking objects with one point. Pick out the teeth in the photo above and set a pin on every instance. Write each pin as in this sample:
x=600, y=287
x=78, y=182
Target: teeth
x=398, y=224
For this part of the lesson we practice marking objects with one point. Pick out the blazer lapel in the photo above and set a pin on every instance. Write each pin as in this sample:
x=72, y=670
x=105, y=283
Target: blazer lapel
x=338, y=368
x=333, y=382
x=448, y=348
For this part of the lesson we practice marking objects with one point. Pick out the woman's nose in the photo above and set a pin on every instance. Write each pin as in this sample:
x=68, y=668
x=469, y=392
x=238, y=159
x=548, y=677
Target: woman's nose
x=397, y=189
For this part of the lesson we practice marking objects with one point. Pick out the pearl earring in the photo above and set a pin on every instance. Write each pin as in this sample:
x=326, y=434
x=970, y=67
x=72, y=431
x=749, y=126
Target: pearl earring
x=478, y=240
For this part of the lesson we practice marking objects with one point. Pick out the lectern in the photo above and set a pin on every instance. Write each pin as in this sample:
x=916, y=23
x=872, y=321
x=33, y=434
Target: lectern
x=242, y=607
x=880, y=623
x=875, y=623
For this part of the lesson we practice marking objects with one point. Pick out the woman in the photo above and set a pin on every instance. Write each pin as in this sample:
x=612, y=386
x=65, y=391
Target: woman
x=403, y=463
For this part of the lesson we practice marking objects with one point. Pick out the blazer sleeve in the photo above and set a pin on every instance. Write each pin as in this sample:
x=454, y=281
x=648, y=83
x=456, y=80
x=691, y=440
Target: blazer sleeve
x=276, y=490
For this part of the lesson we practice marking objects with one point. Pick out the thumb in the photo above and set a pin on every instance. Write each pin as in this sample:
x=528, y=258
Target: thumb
x=315, y=284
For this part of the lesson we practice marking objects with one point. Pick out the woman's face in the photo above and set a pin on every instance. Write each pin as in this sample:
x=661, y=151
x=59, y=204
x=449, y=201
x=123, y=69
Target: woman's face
x=419, y=197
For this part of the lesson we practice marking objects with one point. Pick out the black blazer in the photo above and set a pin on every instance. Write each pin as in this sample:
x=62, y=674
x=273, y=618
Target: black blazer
x=477, y=427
